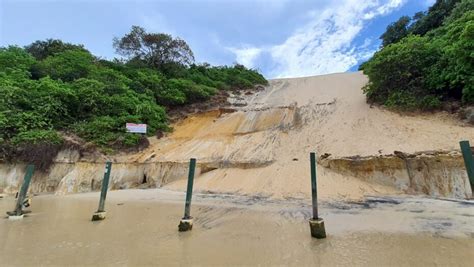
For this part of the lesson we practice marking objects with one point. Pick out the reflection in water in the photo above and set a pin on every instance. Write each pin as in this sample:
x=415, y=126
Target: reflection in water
x=144, y=232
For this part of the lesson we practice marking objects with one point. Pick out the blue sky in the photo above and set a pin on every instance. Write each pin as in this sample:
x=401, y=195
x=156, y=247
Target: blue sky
x=280, y=38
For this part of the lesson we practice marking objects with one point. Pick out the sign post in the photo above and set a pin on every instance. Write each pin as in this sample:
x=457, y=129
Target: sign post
x=136, y=128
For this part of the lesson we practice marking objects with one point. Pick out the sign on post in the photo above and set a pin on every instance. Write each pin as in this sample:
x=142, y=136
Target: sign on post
x=136, y=128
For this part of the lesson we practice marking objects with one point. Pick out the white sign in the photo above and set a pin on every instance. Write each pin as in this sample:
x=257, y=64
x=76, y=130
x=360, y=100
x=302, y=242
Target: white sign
x=136, y=128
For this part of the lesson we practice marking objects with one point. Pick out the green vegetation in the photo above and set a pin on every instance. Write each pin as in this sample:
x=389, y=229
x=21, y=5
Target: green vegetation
x=425, y=60
x=51, y=88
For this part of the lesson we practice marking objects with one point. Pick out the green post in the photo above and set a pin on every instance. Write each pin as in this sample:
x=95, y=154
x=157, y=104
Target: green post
x=468, y=161
x=24, y=189
x=187, y=222
x=316, y=224
x=189, y=191
x=100, y=214
x=314, y=187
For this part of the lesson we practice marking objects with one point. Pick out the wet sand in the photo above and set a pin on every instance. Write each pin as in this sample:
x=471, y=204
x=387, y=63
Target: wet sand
x=141, y=229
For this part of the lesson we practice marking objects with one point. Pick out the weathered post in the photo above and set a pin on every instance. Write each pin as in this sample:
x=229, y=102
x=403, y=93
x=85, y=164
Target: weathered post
x=186, y=222
x=316, y=224
x=100, y=214
x=19, y=212
x=468, y=161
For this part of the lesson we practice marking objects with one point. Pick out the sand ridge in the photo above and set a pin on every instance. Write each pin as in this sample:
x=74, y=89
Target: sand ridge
x=280, y=126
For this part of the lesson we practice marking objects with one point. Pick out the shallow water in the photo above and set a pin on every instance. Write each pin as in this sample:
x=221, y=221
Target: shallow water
x=141, y=229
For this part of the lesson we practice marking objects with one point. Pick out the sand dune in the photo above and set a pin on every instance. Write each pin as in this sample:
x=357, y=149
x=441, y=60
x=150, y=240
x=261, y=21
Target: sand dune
x=263, y=148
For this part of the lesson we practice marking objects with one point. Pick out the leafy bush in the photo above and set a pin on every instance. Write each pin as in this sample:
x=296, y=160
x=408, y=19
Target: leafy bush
x=67, y=66
x=400, y=67
x=419, y=72
x=91, y=97
x=455, y=69
x=114, y=81
x=236, y=77
x=15, y=57
x=435, y=16
x=102, y=130
x=43, y=49
x=52, y=86
x=33, y=137
x=408, y=101
x=193, y=92
x=170, y=96
x=131, y=139
x=424, y=22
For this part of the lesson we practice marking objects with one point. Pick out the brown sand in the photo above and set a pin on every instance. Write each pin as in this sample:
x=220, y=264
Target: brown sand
x=282, y=124
x=141, y=230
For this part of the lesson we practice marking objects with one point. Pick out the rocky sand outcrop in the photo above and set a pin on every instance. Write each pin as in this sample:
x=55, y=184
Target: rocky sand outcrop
x=435, y=173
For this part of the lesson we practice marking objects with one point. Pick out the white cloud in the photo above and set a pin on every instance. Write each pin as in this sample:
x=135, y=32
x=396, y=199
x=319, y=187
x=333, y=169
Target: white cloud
x=325, y=43
x=384, y=9
x=246, y=56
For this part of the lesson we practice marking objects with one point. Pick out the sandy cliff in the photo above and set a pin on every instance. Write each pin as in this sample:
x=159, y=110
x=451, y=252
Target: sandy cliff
x=263, y=147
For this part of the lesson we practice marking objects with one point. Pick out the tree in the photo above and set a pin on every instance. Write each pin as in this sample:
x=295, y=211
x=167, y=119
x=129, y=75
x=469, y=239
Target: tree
x=396, y=31
x=157, y=50
x=43, y=49
x=434, y=17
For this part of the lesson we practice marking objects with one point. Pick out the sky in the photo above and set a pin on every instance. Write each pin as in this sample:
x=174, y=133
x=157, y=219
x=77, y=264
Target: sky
x=279, y=38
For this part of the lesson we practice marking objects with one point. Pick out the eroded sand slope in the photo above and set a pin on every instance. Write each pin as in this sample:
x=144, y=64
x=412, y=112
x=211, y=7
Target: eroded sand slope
x=263, y=148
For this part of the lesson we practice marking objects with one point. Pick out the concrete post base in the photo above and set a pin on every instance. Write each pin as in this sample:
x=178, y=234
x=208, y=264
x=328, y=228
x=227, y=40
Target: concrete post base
x=185, y=225
x=317, y=228
x=99, y=216
x=15, y=217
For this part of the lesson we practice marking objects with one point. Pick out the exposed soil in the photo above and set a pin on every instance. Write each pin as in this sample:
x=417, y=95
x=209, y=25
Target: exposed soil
x=219, y=101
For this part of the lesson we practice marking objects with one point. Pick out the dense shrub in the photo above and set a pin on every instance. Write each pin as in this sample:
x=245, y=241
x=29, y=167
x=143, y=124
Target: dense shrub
x=408, y=62
x=424, y=22
x=33, y=137
x=192, y=92
x=67, y=66
x=455, y=70
x=236, y=77
x=419, y=72
x=13, y=57
x=52, y=86
x=43, y=49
